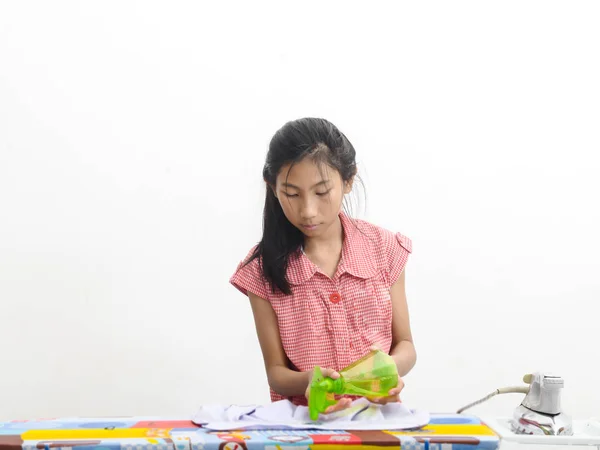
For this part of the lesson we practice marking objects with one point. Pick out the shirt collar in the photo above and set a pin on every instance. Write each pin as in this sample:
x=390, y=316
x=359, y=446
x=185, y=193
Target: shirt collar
x=357, y=259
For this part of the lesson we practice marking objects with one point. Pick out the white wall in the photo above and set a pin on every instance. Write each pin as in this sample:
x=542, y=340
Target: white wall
x=132, y=137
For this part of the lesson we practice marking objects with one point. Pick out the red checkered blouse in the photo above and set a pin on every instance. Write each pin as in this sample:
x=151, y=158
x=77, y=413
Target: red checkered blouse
x=331, y=322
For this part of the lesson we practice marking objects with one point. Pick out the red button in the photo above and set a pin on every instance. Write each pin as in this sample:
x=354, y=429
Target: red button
x=335, y=298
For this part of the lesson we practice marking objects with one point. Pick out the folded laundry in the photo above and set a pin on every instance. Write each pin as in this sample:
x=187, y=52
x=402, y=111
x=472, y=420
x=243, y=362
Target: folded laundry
x=361, y=415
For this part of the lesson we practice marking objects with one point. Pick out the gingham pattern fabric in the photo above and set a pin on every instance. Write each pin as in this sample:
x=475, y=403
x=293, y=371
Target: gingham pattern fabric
x=331, y=322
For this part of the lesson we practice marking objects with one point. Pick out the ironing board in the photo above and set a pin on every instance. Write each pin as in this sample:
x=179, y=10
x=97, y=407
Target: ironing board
x=444, y=432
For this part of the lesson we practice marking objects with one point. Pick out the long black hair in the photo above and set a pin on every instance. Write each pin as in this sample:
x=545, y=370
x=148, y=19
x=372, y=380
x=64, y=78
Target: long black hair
x=307, y=137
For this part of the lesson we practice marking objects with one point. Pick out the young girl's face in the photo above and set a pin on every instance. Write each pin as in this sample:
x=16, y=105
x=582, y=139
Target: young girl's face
x=310, y=195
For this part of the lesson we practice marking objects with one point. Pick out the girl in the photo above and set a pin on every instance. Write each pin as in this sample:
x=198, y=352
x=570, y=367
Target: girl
x=324, y=288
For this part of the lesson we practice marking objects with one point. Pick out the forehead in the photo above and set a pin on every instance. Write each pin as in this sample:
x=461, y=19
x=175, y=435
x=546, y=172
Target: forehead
x=306, y=173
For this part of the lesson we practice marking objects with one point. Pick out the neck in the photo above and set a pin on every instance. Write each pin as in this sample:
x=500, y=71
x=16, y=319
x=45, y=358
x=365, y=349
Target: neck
x=331, y=238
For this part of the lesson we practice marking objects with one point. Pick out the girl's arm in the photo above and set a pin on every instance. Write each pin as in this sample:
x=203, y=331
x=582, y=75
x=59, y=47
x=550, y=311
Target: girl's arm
x=403, y=349
x=282, y=380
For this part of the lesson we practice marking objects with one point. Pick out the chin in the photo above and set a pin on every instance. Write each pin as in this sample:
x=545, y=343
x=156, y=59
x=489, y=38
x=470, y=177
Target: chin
x=308, y=233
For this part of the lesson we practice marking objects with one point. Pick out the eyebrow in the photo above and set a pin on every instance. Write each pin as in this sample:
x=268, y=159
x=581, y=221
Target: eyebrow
x=289, y=185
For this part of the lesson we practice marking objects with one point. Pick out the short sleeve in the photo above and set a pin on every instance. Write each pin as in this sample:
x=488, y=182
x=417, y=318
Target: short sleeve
x=248, y=277
x=397, y=250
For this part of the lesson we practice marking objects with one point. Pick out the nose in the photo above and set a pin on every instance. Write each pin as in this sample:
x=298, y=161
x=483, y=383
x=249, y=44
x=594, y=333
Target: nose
x=308, y=209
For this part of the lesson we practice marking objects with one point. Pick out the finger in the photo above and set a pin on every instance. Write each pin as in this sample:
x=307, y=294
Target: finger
x=346, y=402
x=340, y=405
x=331, y=373
x=334, y=408
x=393, y=399
x=337, y=407
x=385, y=400
x=397, y=389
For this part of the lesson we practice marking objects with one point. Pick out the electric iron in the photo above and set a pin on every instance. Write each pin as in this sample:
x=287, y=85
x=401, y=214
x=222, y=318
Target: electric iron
x=540, y=411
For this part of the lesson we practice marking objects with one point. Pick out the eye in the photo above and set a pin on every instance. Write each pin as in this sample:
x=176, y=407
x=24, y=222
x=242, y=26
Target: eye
x=287, y=194
x=324, y=193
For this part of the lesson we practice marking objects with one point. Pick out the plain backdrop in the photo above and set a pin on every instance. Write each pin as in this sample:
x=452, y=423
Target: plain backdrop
x=132, y=139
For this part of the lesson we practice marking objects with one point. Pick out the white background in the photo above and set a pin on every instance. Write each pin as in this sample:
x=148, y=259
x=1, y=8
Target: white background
x=132, y=138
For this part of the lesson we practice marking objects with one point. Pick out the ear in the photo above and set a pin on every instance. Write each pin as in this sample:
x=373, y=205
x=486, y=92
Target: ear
x=348, y=185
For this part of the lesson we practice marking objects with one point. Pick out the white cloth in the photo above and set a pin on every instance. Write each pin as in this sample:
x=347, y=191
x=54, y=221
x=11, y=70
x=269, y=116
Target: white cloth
x=361, y=415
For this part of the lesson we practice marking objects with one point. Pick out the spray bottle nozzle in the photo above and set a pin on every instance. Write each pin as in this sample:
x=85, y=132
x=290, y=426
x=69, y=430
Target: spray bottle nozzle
x=320, y=397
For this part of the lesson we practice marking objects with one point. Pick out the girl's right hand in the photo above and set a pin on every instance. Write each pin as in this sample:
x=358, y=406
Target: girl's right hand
x=342, y=403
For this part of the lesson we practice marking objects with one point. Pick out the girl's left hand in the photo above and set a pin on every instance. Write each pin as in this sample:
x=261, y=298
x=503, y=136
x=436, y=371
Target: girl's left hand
x=393, y=395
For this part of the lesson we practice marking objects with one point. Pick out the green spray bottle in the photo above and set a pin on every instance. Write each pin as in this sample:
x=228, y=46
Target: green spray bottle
x=373, y=375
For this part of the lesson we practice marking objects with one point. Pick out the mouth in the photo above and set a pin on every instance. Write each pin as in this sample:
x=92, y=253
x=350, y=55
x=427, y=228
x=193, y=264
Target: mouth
x=310, y=226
